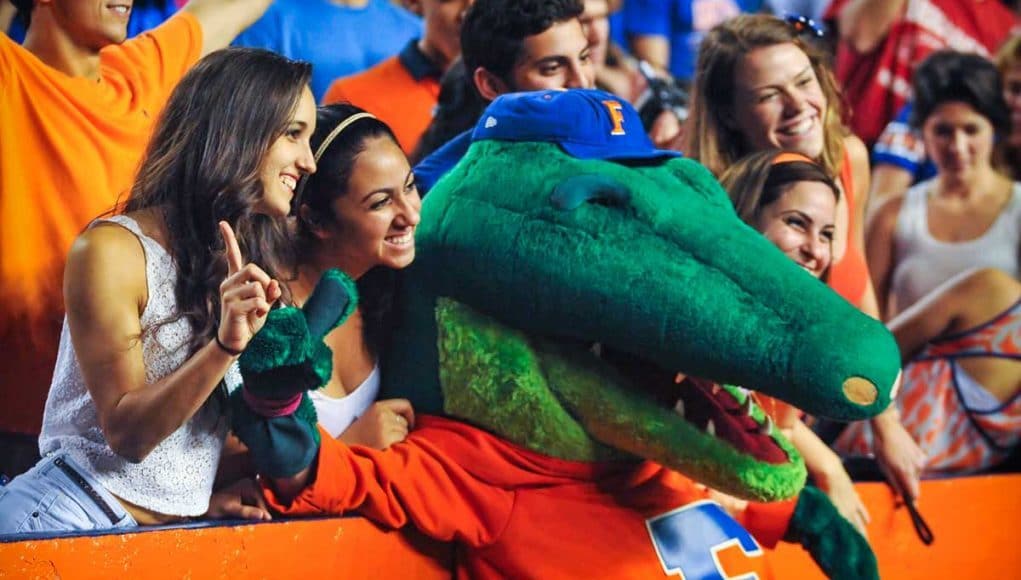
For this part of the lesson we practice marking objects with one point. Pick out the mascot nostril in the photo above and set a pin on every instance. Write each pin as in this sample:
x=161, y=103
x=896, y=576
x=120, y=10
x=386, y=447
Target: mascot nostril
x=860, y=391
x=576, y=190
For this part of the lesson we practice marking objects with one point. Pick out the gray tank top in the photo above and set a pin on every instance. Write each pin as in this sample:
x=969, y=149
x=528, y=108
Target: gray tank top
x=923, y=262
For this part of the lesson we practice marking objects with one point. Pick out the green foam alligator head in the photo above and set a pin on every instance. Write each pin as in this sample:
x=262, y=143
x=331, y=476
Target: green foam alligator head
x=562, y=281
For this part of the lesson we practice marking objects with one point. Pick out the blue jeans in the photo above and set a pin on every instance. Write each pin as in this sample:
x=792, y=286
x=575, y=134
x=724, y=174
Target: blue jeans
x=59, y=496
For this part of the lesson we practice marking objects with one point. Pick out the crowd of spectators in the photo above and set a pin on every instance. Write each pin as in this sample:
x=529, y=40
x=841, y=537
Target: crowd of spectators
x=904, y=116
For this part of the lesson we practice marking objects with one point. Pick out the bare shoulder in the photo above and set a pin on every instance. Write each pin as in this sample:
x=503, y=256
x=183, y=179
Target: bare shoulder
x=105, y=240
x=107, y=259
x=885, y=217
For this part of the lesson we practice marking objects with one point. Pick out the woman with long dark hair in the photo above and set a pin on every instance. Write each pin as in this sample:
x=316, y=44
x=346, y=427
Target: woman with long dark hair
x=162, y=299
x=357, y=213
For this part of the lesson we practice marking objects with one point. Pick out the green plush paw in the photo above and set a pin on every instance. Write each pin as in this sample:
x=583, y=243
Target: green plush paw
x=279, y=446
x=288, y=356
x=834, y=544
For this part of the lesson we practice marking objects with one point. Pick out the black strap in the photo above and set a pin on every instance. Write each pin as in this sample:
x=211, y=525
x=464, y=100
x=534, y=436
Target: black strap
x=88, y=489
x=921, y=528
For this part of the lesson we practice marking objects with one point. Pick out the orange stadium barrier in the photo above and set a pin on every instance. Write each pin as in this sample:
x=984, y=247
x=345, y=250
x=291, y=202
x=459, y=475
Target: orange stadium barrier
x=976, y=522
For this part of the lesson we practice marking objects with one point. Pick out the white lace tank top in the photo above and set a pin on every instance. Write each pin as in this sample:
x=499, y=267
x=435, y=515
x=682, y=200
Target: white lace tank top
x=923, y=262
x=337, y=414
x=176, y=478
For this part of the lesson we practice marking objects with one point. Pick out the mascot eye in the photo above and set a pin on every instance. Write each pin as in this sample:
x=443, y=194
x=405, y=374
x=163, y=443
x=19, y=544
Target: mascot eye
x=589, y=188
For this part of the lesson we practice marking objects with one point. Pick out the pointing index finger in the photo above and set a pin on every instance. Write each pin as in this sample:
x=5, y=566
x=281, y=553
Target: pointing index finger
x=234, y=262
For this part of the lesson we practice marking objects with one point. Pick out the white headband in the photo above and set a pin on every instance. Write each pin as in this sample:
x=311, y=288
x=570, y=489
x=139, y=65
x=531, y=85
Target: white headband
x=336, y=131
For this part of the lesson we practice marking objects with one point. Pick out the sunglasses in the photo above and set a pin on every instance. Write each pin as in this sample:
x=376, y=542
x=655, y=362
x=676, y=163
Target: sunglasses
x=805, y=25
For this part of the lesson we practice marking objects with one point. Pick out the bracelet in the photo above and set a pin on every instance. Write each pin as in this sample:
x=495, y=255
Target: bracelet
x=224, y=348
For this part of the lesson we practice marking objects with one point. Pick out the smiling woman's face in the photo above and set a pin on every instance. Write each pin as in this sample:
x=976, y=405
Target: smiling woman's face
x=288, y=159
x=778, y=102
x=800, y=224
x=375, y=219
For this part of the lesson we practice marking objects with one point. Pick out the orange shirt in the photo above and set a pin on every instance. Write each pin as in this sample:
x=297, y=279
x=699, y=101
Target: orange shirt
x=850, y=275
x=69, y=148
x=401, y=91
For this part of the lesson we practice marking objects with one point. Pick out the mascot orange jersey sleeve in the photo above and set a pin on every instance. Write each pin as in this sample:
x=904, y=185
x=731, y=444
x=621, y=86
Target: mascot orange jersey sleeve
x=530, y=515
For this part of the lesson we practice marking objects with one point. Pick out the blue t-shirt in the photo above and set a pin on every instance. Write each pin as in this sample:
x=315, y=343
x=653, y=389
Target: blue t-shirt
x=901, y=145
x=439, y=162
x=683, y=23
x=618, y=29
x=338, y=40
x=145, y=15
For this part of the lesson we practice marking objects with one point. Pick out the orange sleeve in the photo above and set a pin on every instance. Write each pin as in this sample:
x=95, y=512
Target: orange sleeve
x=411, y=481
x=6, y=72
x=768, y=522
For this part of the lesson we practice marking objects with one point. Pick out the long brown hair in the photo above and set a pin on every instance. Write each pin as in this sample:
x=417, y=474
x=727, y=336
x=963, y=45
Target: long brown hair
x=710, y=140
x=1007, y=156
x=202, y=166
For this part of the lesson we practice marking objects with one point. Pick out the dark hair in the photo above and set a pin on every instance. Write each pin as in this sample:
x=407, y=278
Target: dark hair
x=24, y=10
x=202, y=166
x=330, y=181
x=756, y=181
x=951, y=76
x=458, y=109
x=494, y=31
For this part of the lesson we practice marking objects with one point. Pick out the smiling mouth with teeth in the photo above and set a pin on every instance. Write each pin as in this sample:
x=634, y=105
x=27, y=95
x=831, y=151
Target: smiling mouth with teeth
x=401, y=240
x=289, y=182
x=121, y=9
x=799, y=128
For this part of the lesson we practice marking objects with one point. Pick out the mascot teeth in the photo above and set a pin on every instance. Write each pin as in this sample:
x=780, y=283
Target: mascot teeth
x=746, y=406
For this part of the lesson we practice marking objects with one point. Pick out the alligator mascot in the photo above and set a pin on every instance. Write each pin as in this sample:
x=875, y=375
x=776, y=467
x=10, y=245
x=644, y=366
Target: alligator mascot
x=565, y=272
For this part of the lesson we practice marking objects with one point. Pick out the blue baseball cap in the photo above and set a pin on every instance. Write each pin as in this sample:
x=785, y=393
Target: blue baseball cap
x=586, y=123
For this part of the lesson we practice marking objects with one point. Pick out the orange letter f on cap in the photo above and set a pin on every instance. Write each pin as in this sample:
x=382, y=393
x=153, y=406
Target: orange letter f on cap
x=616, y=116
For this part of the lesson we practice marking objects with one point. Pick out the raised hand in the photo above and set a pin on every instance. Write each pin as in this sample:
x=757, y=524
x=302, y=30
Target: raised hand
x=246, y=295
x=383, y=424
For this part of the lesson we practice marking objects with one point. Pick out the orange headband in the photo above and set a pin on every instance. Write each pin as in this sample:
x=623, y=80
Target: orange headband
x=791, y=157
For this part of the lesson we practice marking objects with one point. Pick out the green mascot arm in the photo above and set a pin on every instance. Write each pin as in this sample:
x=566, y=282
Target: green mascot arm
x=270, y=412
x=835, y=545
